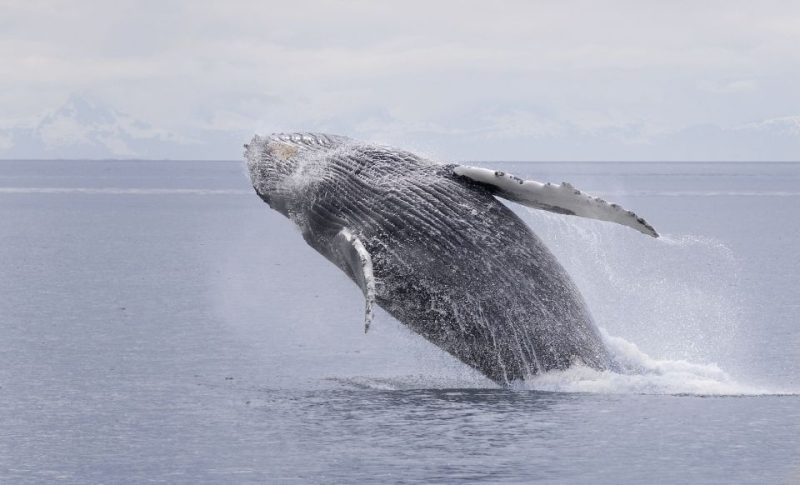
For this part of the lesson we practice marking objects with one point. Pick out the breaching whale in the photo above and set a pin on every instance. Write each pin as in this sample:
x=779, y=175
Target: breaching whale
x=432, y=245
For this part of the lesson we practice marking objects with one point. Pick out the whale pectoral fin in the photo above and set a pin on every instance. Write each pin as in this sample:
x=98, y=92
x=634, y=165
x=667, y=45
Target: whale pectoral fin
x=351, y=251
x=563, y=198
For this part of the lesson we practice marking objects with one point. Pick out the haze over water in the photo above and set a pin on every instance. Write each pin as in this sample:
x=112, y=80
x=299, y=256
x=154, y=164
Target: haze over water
x=159, y=322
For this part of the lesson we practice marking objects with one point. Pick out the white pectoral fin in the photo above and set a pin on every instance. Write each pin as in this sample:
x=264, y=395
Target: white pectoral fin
x=563, y=198
x=354, y=255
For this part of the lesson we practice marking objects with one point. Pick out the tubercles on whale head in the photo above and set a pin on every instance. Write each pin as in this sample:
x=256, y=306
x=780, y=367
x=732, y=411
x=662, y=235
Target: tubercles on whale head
x=269, y=161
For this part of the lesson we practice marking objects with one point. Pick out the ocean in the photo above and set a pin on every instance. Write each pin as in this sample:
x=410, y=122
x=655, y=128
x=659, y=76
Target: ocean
x=160, y=323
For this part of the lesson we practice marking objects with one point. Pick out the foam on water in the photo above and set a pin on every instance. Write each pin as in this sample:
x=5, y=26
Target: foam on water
x=641, y=374
x=645, y=375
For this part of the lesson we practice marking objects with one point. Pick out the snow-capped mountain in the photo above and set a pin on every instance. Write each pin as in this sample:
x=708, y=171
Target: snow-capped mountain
x=82, y=128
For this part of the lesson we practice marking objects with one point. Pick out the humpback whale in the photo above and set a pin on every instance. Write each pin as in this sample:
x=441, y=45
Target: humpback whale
x=432, y=244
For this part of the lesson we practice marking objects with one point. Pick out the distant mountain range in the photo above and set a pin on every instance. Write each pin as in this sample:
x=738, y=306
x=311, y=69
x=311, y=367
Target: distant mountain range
x=88, y=130
x=84, y=129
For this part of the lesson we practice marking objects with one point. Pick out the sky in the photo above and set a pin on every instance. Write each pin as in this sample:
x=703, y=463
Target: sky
x=454, y=80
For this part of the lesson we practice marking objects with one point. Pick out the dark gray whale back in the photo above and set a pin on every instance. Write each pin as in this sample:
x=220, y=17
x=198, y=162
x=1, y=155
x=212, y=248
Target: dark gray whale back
x=450, y=260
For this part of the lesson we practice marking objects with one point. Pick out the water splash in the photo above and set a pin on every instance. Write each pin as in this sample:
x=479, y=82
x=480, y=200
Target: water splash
x=645, y=375
x=677, y=297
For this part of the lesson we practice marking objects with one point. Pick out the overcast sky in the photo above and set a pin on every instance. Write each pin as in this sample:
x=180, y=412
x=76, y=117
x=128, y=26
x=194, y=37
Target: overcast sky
x=456, y=80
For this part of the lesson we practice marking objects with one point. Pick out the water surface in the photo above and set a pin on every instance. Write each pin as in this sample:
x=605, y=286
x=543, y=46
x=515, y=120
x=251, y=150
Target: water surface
x=158, y=322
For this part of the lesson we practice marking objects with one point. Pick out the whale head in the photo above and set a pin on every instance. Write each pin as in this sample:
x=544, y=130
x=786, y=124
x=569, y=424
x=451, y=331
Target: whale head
x=273, y=159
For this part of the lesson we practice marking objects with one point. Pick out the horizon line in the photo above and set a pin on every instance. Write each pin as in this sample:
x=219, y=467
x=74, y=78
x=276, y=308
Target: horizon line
x=219, y=160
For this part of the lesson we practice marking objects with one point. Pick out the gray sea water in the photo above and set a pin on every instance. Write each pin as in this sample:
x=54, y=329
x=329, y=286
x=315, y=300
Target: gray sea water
x=159, y=323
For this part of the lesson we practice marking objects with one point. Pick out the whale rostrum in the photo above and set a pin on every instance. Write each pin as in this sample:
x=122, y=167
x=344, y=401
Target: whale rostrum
x=432, y=245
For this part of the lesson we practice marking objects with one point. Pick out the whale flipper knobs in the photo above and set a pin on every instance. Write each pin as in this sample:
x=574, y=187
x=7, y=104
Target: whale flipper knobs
x=563, y=199
x=437, y=251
